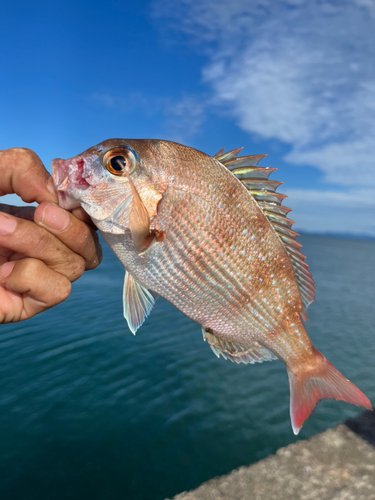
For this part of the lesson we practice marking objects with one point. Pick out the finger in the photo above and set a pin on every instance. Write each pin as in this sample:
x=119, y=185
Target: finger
x=82, y=215
x=26, y=213
x=27, y=238
x=74, y=233
x=7, y=254
x=30, y=288
x=23, y=173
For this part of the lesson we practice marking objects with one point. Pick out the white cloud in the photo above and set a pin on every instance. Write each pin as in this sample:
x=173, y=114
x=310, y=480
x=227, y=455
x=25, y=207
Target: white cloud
x=299, y=71
x=333, y=211
x=370, y=4
x=354, y=199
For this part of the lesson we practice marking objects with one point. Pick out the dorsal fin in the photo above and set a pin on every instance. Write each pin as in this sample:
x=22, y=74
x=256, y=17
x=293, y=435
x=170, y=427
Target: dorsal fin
x=255, y=179
x=219, y=153
x=231, y=155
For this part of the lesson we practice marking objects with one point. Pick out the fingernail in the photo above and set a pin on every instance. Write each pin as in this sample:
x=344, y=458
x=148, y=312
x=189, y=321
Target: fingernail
x=55, y=218
x=7, y=224
x=51, y=187
x=6, y=269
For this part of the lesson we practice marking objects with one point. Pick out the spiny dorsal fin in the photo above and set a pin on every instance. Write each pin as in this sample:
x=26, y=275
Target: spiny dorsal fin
x=219, y=153
x=137, y=301
x=231, y=155
x=255, y=179
x=252, y=353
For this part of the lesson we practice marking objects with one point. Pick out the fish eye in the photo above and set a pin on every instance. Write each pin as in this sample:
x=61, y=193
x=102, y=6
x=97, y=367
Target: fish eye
x=119, y=161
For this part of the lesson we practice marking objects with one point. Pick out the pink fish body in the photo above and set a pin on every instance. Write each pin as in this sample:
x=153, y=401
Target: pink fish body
x=209, y=234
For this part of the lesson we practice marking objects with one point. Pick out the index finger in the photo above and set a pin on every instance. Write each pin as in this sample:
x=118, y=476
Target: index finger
x=23, y=173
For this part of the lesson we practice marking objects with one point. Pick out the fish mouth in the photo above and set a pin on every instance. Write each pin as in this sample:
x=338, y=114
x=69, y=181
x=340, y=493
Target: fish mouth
x=68, y=177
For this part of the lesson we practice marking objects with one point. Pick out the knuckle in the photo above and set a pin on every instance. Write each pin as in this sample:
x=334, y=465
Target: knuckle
x=76, y=268
x=97, y=255
x=86, y=235
x=26, y=155
x=31, y=269
x=88, y=246
x=62, y=290
x=85, y=239
x=59, y=290
x=43, y=241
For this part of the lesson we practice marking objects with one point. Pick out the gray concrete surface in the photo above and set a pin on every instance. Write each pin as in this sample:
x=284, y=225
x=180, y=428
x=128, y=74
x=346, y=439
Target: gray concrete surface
x=338, y=464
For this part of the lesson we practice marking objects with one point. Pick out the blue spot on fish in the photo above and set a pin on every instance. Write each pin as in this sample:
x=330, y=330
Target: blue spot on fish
x=134, y=152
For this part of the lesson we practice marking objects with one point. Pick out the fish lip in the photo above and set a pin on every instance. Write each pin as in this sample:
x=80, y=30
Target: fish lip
x=60, y=173
x=68, y=177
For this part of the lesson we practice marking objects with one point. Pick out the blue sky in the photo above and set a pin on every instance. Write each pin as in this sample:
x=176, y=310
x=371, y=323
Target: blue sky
x=293, y=79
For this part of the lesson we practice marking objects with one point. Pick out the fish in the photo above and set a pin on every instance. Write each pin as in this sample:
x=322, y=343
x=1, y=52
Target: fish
x=211, y=236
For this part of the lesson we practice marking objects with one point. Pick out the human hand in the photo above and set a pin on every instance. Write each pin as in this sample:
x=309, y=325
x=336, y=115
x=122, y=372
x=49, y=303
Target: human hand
x=43, y=249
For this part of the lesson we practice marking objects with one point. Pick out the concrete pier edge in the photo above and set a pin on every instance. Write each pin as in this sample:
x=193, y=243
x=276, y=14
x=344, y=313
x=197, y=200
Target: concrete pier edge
x=338, y=464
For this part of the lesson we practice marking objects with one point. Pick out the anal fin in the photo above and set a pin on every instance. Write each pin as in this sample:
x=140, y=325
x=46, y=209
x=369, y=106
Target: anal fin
x=238, y=353
x=137, y=301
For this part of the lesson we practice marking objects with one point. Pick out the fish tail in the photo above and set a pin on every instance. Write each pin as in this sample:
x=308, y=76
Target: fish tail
x=319, y=381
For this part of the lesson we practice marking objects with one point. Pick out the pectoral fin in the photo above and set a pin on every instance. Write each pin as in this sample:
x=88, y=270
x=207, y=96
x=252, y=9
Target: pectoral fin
x=138, y=302
x=139, y=221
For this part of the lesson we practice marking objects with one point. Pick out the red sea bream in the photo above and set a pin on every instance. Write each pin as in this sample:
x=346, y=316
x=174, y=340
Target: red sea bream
x=210, y=235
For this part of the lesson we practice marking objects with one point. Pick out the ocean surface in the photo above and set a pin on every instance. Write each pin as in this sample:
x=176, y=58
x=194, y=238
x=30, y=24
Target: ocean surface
x=88, y=411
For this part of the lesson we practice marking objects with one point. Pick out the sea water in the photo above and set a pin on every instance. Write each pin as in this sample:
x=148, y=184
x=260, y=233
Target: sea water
x=88, y=411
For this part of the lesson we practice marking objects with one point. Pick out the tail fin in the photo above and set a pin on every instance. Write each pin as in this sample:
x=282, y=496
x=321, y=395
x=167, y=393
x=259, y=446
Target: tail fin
x=320, y=381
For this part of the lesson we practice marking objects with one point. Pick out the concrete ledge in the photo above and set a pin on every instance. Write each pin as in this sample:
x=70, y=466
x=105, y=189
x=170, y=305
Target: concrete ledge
x=338, y=464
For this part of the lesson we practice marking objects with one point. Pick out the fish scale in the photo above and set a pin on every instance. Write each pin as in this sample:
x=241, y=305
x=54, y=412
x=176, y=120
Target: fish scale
x=210, y=235
x=182, y=233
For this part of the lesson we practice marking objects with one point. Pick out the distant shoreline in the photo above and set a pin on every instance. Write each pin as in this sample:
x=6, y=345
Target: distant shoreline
x=348, y=236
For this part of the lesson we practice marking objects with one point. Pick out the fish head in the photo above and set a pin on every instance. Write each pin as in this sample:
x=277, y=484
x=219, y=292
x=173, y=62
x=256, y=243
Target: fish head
x=101, y=179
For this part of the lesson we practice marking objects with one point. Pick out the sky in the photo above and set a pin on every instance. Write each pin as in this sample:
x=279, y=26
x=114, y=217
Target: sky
x=292, y=79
